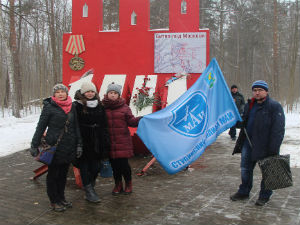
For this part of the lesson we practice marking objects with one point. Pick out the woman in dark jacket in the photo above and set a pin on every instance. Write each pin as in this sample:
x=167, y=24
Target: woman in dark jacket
x=119, y=118
x=58, y=117
x=95, y=137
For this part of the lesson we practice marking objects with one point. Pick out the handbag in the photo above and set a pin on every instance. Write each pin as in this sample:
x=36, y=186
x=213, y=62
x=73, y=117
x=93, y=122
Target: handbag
x=46, y=151
x=276, y=172
x=105, y=169
x=46, y=154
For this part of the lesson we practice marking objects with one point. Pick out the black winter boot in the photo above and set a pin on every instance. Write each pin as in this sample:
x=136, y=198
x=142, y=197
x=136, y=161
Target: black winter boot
x=90, y=194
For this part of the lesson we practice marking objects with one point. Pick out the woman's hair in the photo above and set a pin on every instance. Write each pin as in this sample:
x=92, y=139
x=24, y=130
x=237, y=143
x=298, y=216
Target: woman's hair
x=83, y=99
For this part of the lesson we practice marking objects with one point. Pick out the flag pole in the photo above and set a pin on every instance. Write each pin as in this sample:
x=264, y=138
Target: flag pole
x=143, y=171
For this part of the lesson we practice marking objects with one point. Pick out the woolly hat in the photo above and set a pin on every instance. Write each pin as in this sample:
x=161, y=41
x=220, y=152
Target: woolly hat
x=233, y=86
x=59, y=87
x=88, y=86
x=114, y=87
x=260, y=84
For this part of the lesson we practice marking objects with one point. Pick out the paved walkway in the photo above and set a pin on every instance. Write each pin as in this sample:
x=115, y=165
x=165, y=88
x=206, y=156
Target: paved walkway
x=197, y=196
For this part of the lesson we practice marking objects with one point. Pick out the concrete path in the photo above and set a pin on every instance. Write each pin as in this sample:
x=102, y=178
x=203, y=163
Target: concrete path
x=199, y=195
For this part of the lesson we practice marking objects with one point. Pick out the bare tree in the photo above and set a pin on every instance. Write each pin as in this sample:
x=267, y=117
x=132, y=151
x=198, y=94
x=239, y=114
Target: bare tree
x=15, y=53
x=221, y=34
x=252, y=39
x=52, y=34
x=293, y=59
x=275, y=83
x=110, y=15
x=13, y=101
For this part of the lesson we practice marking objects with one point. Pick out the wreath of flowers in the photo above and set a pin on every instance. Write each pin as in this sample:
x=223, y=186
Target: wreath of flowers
x=142, y=98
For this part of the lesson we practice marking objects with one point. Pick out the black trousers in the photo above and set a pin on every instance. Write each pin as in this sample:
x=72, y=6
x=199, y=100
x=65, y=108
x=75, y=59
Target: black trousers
x=121, y=168
x=89, y=170
x=56, y=182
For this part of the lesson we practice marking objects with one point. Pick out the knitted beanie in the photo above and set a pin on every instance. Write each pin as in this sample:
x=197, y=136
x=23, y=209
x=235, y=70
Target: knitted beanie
x=59, y=87
x=233, y=86
x=260, y=84
x=114, y=87
x=88, y=86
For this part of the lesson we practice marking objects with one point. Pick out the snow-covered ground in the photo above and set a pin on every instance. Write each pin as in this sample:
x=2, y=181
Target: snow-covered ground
x=291, y=141
x=16, y=135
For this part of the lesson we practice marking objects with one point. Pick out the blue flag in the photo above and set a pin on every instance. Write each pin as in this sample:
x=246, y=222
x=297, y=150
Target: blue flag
x=178, y=134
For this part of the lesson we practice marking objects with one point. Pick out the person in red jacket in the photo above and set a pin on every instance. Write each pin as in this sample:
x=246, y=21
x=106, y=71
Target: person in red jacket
x=119, y=118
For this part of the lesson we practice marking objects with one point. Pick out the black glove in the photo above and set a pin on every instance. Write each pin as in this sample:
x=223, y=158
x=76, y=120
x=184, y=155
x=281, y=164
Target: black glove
x=79, y=152
x=34, y=151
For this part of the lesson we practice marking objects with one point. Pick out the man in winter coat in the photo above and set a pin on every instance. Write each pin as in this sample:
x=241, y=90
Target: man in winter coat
x=261, y=137
x=240, y=103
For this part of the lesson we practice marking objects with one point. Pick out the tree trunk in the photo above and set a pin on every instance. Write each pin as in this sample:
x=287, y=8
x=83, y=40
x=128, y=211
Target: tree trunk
x=53, y=40
x=18, y=65
x=221, y=35
x=293, y=59
x=275, y=52
x=10, y=68
x=238, y=66
x=14, y=50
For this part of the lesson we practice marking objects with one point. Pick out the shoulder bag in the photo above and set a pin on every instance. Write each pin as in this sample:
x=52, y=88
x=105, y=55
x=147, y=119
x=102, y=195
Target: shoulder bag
x=46, y=151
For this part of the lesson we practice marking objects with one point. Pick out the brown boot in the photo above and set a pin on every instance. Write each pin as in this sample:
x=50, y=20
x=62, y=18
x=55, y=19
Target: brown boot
x=128, y=188
x=118, y=188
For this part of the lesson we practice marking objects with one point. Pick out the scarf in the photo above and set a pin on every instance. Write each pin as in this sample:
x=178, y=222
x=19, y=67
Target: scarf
x=90, y=103
x=66, y=105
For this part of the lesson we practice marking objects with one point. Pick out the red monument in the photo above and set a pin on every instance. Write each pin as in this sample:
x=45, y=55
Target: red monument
x=133, y=49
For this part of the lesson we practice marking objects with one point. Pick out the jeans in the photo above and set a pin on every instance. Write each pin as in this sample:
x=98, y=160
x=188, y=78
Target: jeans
x=89, y=170
x=247, y=167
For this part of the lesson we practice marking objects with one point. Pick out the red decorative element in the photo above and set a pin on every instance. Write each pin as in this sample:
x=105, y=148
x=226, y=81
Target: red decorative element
x=120, y=52
x=40, y=171
x=130, y=50
x=44, y=169
x=147, y=167
x=77, y=177
x=75, y=45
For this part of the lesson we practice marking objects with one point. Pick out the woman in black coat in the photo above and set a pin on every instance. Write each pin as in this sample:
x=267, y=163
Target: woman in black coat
x=58, y=115
x=95, y=137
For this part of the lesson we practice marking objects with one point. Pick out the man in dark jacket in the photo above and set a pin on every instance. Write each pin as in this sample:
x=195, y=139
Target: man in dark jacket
x=261, y=136
x=240, y=103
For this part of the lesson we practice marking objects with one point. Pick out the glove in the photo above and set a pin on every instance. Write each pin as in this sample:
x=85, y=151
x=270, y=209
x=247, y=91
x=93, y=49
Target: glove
x=34, y=151
x=79, y=152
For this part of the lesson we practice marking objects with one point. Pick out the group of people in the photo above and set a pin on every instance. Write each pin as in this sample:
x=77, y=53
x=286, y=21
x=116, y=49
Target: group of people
x=96, y=131
x=93, y=131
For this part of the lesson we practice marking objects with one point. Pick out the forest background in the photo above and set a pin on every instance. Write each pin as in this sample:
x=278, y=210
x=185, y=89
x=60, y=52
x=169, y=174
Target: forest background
x=251, y=39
